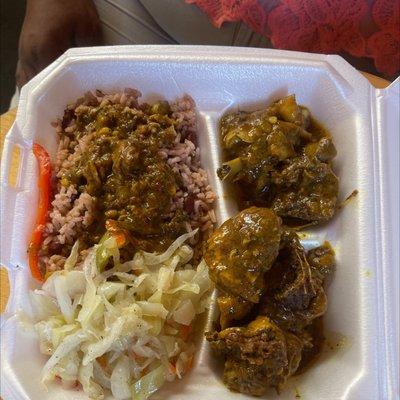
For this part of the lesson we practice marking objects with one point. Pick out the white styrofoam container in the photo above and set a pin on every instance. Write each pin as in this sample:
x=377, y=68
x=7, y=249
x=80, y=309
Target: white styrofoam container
x=364, y=121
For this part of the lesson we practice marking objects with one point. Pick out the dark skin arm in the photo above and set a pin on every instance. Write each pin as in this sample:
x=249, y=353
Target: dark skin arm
x=50, y=28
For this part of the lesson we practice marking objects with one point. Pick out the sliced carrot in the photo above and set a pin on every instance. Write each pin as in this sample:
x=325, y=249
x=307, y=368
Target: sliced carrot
x=173, y=368
x=118, y=233
x=102, y=360
x=185, y=331
x=136, y=357
x=189, y=364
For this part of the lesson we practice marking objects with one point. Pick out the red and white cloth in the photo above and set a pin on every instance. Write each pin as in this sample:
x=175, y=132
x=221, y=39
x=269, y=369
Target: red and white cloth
x=360, y=28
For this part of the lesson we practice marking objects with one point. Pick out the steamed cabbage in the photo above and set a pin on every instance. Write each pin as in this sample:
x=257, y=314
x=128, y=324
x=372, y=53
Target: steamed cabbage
x=119, y=330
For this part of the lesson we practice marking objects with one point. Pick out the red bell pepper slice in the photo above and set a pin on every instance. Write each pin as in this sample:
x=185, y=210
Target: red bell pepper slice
x=44, y=185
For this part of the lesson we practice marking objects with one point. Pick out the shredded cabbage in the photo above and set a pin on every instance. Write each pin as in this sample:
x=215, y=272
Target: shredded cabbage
x=92, y=388
x=185, y=313
x=73, y=257
x=69, y=344
x=150, y=383
x=120, y=378
x=154, y=259
x=119, y=330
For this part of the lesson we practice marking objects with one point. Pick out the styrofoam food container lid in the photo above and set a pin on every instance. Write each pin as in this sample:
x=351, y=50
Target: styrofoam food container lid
x=363, y=298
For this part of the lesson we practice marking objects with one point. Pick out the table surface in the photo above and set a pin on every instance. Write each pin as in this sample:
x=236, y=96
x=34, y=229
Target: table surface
x=8, y=118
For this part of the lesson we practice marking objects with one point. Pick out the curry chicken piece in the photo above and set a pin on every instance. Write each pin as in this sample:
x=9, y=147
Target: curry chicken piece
x=305, y=189
x=265, y=276
x=294, y=293
x=322, y=262
x=257, y=356
x=241, y=250
x=232, y=308
x=280, y=157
